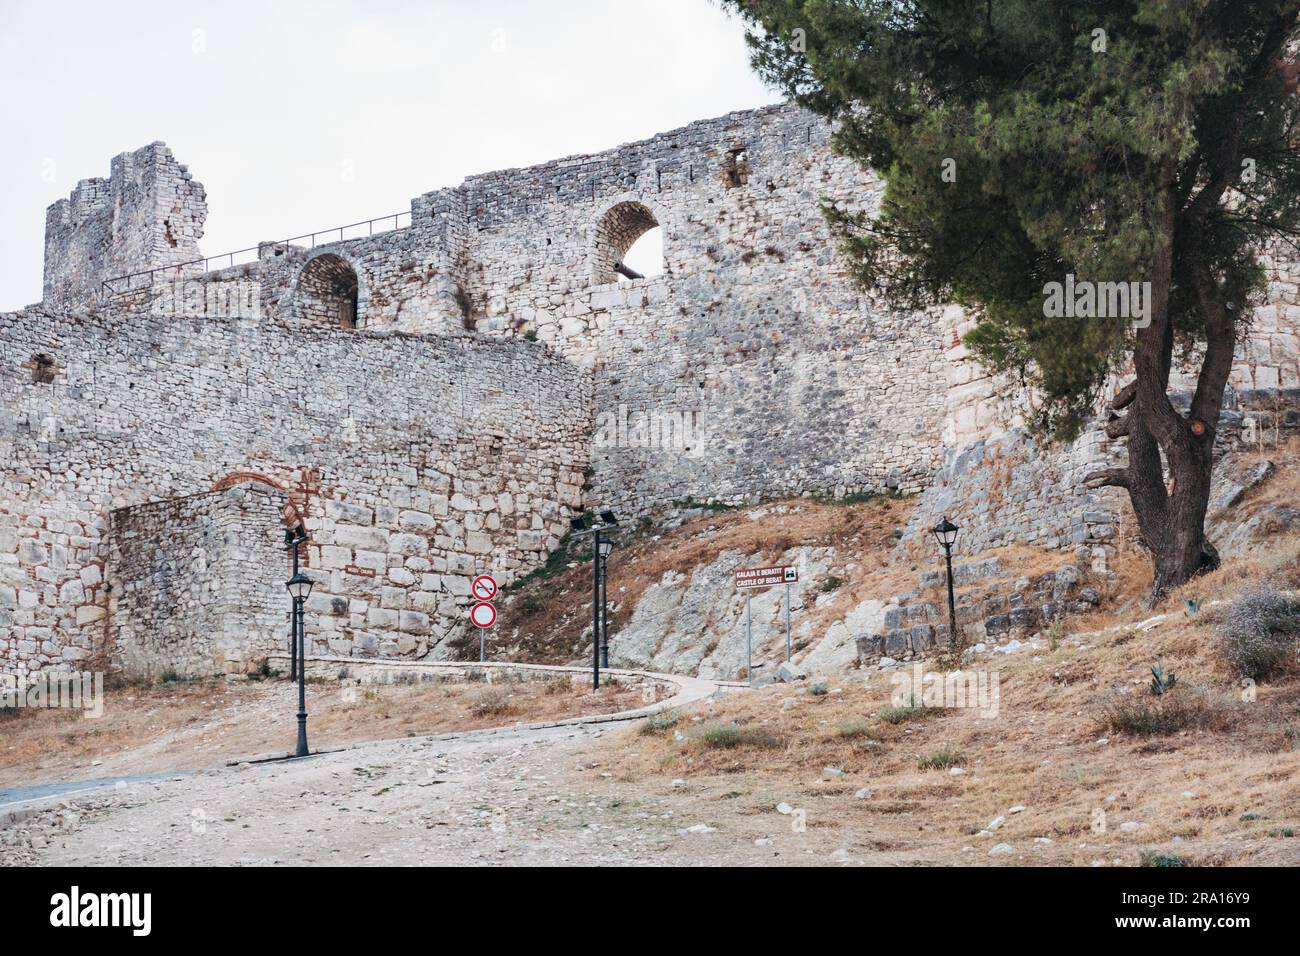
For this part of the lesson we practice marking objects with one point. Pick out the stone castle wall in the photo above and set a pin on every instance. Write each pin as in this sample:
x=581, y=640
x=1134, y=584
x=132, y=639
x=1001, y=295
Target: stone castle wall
x=437, y=393
x=788, y=380
x=192, y=582
x=414, y=462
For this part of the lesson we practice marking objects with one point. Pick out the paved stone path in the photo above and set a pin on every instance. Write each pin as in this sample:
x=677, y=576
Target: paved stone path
x=22, y=795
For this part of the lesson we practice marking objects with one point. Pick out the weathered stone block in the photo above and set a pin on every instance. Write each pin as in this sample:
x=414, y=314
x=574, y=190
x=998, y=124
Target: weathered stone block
x=371, y=539
x=416, y=521
x=869, y=647
x=382, y=617
x=997, y=624
x=922, y=636
x=414, y=622
x=1023, y=618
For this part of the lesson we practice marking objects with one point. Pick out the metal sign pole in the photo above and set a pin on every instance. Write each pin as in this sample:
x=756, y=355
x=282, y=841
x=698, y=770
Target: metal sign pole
x=787, y=624
x=595, y=612
x=482, y=643
x=749, y=644
x=604, y=613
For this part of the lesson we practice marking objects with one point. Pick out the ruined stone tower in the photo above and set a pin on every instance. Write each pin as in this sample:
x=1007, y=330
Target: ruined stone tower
x=149, y=213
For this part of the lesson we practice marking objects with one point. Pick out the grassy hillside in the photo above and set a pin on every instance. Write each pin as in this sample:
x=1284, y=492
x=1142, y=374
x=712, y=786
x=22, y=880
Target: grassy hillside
x=1199, y=775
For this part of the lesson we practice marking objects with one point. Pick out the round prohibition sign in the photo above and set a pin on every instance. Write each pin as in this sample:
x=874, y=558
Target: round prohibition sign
x=483, y=614
x=483, y=587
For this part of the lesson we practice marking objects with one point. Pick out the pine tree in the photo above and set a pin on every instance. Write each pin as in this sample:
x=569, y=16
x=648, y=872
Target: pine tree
x=1024, y=141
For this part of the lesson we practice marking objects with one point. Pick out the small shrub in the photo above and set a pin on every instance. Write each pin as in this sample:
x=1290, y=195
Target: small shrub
x=493, y=701
x=1156, y=858
x=941, y=759
x=1281, y=832
x=1191, y=709
x=830, y=583
x=14, y=713
x=819, y=689
x=725, y=736
x=1054, y=633
x=1260, y=633
x=897, y=714
x=1288, y=735
x=557, y=562
x=265, y=672
x=658, y=723
x=853, y=727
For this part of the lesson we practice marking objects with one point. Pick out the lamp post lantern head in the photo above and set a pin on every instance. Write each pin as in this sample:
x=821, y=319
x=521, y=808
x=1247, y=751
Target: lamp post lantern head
x=945, y=532
x=606, y=546
x=299, y=586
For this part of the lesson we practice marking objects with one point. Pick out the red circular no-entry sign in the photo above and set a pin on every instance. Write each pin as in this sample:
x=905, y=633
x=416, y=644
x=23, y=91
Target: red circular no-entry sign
x=483, y=587
x=483, y=614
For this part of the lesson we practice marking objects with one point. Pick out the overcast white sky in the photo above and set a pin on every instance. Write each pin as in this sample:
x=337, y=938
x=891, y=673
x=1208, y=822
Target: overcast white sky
x=298, y=116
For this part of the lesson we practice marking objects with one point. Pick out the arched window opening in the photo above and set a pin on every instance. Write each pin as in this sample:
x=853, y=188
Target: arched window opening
x=645, y=257
x=327, y=292
x=623, y=232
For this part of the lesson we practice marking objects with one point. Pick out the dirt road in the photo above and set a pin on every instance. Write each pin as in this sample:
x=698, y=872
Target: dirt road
x=514, y=797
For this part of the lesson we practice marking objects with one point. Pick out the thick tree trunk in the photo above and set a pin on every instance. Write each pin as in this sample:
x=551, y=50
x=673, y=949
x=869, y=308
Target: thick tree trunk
x=1170, y=494
x=1171, y=457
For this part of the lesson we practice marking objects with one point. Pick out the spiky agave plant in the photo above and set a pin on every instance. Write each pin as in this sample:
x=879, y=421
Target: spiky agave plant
x=1161, y=681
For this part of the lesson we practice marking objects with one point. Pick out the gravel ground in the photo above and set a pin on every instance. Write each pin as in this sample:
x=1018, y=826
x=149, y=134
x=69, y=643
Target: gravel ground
x=515, y=797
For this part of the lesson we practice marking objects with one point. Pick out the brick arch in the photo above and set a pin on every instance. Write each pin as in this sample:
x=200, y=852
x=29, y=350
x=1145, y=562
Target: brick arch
x=291, y=515
x=619, y=226
x=242, y=477
x=330, y=291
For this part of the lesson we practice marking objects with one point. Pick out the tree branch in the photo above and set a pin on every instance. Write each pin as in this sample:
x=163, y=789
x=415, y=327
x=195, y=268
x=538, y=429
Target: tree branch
x=1107, y=478
x=1124, y=397
x=1220, y=345
x=1153, y=351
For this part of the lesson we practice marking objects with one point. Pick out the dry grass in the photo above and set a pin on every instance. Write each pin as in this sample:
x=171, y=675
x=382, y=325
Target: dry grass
x=1185, y=708
x=545, y=617
x=196, y=725
x=1053, y=748
x=1283, y=488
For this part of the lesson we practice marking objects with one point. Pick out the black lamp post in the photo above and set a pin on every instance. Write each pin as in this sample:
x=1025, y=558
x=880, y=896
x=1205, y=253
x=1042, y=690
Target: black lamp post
x=293, y=537
x=946, y=533
x=299, y=587
x=604, y=546
x=581, y=525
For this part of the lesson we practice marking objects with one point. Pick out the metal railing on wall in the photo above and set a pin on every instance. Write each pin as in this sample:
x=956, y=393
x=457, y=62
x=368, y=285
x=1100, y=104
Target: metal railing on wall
x=133, y=281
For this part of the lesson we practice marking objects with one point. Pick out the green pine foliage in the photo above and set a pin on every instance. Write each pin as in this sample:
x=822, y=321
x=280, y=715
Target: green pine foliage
x=1083, y=138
